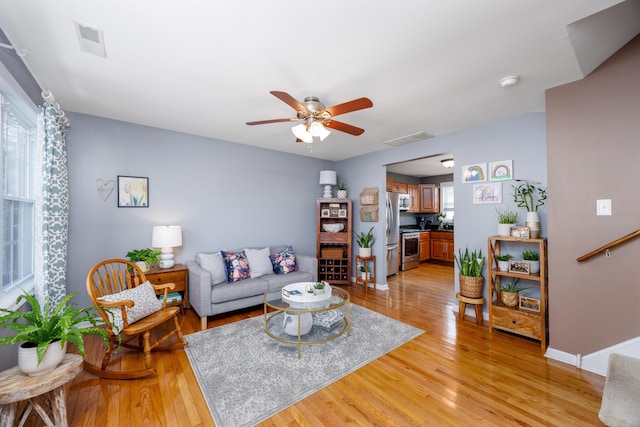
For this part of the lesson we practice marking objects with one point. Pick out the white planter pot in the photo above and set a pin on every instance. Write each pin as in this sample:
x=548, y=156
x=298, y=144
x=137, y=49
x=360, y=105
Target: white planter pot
x=365, y=275
x=533, y=222
x=28, y=358
x=364, y=252
x=342, y=194
x=142, y=265
x=503, y=265
x=534, y=267
x=504, y=229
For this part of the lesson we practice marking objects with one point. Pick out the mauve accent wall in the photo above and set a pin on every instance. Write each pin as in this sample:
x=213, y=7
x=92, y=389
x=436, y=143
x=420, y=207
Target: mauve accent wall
x=593, y=147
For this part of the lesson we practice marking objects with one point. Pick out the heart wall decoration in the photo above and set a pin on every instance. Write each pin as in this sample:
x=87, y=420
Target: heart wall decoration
x=105, y=188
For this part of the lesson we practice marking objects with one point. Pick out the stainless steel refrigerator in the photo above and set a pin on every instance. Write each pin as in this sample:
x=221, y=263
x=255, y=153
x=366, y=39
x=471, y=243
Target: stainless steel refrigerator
x=392, y=232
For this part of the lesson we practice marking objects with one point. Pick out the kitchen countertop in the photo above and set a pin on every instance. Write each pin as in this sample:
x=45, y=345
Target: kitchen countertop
x=411, y=229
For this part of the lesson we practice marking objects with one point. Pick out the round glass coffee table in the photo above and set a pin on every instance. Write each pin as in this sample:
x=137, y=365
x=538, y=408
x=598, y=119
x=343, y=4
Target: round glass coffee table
x=302, y=318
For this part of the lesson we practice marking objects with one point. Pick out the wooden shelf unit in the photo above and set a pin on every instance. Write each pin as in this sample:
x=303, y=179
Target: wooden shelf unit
x=369, y=264
x=334, y=249
x=519, y=321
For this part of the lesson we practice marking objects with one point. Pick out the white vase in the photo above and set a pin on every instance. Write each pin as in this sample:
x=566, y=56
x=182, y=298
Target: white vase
x=504, y=229
x=28, y=358
x=533, y=222
x=342, y=194
x=534, y=267
x=365, y=252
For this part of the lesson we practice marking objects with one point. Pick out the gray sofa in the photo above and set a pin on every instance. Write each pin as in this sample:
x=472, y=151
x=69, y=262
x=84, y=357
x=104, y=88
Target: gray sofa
x=209, y=294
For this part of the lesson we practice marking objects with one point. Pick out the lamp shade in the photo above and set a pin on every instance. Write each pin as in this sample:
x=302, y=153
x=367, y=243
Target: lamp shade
x=300, y=131
x=328, y=178
x=166, y=236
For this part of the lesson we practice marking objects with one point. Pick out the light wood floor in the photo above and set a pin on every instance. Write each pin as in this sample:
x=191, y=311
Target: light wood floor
x=456, y=373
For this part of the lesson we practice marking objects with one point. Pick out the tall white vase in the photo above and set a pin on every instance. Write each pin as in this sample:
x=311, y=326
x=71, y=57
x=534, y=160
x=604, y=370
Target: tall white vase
x=533, y=222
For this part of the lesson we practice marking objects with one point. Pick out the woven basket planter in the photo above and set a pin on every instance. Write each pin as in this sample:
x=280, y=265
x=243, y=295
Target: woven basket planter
x=509, y=298
x=471, y=287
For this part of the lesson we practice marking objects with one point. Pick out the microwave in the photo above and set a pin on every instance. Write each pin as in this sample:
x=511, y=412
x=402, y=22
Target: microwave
x=404, y=202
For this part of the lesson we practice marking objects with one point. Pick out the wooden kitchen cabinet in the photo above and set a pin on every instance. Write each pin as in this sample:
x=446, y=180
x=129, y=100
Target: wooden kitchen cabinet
x=414, y=197
x=429, y=198
x=425, y=245
x=442, y=246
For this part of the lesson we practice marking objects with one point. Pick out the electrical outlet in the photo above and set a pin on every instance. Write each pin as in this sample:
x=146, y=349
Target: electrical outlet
x=603, y=206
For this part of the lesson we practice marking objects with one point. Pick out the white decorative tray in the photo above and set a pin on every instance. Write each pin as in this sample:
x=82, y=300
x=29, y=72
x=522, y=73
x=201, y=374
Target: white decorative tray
x=297, y=293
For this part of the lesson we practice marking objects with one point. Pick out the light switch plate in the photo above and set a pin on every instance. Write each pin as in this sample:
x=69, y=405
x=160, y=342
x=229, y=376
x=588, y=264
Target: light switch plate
x=603, y=206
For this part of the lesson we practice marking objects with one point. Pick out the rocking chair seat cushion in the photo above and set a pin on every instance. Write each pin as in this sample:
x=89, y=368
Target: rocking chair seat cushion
x=145, y=303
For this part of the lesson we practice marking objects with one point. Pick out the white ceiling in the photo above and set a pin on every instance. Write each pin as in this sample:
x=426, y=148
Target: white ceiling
x=206, y=67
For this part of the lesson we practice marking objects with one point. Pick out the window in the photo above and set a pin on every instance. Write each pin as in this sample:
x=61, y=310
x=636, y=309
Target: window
x=17, y=138
x=446, y=200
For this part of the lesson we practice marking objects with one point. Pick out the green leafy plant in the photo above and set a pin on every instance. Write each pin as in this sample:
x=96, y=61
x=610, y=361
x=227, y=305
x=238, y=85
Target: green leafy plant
x=505, y=257
x=319, y=285
x=365, y=240
x=469, y=264
x=529, y=255
x=342, y=185
x=512, y=287
x=148, y=255
x=529, y=196
x=507, y=216
x=43, y=325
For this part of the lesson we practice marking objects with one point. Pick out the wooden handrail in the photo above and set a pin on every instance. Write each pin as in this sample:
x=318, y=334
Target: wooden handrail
x=609, y=246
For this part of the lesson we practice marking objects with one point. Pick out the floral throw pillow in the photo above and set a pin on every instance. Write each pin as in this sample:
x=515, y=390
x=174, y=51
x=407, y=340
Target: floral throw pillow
x=284, y=262
x=145, y=303
x=237, y=266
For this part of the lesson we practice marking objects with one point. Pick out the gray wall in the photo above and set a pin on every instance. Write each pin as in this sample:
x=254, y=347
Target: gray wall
x=224, y=195
x=594, y=150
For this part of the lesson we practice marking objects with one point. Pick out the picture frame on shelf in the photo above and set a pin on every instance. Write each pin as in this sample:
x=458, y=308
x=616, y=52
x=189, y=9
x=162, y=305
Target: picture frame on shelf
x=519, y=231
x=133, y=191
x=325, y=213
x=333, y=212
x=529, y=304
x=342, y=213
x=519, y=266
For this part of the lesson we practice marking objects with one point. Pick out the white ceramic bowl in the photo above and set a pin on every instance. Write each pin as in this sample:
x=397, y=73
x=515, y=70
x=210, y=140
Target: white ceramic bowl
x=332, y=228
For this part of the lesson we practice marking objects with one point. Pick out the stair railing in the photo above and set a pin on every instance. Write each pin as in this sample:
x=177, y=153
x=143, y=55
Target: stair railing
x=609, y=246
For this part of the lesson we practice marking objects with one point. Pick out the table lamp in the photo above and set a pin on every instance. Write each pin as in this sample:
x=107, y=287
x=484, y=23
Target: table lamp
x=166, y=237
x=327, y=178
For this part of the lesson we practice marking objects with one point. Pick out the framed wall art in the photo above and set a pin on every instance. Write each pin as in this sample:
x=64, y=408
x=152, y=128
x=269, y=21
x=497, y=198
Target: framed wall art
x=474, y=173
x=487, y=193
x=501, y=171
x=133, y=192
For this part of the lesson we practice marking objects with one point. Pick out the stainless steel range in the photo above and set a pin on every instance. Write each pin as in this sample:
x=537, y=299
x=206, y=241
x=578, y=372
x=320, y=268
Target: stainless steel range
x=410, y=250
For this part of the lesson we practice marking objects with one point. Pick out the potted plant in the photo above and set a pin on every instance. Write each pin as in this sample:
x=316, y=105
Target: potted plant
x=342, y=190
x=45, y=331
x=440, y=216
x=365, y=240
x=534, y=260
x=530, y=196
x=506, y=219
x=320, y=288
x=503, y=261
x=509, y=294
x=363, y=273
x=470, y=272
x=146, y=259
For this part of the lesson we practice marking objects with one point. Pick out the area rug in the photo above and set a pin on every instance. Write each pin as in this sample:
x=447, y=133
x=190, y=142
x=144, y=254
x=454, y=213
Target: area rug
x=246, y=376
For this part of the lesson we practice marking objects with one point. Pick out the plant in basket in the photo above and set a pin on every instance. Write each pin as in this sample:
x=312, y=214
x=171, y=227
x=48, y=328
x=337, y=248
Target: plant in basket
x=470, y=265
x=509, y=294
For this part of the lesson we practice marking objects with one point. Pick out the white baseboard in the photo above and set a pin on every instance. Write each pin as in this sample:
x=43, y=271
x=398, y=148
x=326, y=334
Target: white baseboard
x=598, y=361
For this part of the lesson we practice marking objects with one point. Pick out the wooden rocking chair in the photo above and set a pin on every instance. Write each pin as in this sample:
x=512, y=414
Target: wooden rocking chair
x=139, y=314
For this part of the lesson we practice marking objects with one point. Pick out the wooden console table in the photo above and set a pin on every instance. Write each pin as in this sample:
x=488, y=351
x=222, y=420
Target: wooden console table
x=45, y=394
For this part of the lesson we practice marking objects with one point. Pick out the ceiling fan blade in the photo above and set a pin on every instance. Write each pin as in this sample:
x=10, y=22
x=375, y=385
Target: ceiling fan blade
x=343, y=127
x=347, y=107
x=289, y=100
x=264, y=122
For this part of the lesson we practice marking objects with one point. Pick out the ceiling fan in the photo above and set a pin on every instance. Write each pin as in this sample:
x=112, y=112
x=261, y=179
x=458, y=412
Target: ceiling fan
x=316, y=118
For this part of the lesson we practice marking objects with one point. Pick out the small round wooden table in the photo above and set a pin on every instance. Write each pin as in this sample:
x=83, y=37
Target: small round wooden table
x=477, y=304
x=46, y=394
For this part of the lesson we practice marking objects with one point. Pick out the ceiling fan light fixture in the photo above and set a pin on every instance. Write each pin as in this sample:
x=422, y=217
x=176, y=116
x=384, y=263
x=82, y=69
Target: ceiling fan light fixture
x=300, y=131
x=447, y=163
x=316, y=129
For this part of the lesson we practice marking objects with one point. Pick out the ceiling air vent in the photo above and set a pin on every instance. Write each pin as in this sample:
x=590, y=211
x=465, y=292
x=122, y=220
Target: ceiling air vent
x=91, y=39
x=418, y=136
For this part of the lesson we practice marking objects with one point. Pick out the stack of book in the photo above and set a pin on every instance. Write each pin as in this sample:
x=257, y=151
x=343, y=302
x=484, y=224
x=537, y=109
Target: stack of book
x=172, y=297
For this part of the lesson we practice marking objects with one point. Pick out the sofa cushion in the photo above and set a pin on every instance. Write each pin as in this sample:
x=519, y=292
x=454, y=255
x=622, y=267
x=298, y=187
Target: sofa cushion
x=259, y=261
x=145, y=303
x=280, y=280
x=243, y=289
x=237, y=265
x=214, y=264
x=284, y=262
